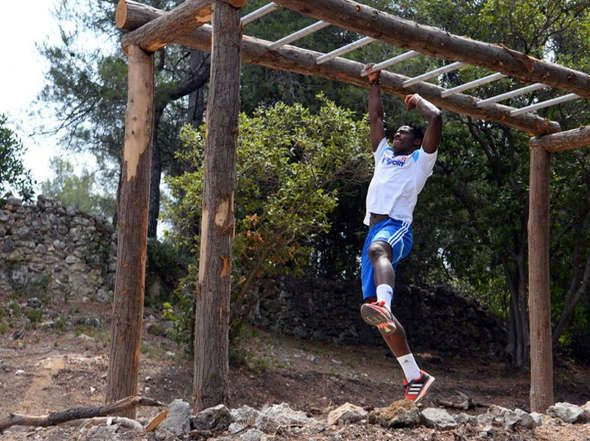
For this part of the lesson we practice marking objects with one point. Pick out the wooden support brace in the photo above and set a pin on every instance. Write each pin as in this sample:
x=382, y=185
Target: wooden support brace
x=562, y=141
x=132, y=221
x=236, y=3
x=212, y=297
x=303, y=61
x=437, y=43
x=541, y=393
x=159, y=32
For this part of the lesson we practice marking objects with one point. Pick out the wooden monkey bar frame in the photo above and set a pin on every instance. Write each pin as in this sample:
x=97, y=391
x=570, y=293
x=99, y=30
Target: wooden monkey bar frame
x=149, y=29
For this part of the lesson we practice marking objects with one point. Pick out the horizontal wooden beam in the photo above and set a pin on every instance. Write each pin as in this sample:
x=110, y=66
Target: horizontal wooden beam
x=302, y=61
x=437, y=43
x=568, y=140
x=236, y=3
x=157, y=33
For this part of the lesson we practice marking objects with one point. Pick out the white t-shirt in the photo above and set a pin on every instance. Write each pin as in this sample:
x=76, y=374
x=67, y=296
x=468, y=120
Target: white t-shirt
x=397, y=181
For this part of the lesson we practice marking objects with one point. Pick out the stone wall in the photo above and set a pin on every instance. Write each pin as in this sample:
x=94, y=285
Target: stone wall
x=437, y=319
x=47, y=249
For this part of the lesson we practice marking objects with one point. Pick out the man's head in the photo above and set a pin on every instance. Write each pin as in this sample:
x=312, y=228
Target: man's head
x=406, y=139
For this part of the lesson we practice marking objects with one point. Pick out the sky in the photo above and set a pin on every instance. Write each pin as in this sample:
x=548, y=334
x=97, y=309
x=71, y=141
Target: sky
x=22, y=76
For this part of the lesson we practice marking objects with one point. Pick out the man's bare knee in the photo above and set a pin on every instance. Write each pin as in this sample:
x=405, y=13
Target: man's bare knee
x=378, y=250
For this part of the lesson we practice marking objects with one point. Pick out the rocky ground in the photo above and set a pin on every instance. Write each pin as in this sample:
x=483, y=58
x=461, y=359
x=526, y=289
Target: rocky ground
x=61, y=363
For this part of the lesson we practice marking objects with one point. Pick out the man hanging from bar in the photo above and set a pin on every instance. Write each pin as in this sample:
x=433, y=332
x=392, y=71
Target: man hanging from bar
x=401, y=170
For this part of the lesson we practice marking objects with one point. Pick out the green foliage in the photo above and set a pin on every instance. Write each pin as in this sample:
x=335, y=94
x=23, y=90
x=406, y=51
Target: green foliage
x=75, y=191
x=13, y=174
x=289, y=163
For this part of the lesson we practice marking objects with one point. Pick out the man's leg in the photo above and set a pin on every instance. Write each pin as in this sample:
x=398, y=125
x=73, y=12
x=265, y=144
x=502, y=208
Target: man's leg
x=380, y=255
x=417, y=382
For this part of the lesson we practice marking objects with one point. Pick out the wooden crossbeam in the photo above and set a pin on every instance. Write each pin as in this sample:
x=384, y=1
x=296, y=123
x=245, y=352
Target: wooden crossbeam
x=559, y=142
x=159, y=32
x=437, y=43
x=303, y=61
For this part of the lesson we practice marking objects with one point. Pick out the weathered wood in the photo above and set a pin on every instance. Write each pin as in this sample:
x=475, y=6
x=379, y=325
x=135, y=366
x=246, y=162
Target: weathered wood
x=140, y=15
x=435, y=42
x=75, y=413
x=127, y=324
x=559, y=142
x=236, y=3
x=289, y=58
x=541, y=394
x=159, y=32
x=217, y=222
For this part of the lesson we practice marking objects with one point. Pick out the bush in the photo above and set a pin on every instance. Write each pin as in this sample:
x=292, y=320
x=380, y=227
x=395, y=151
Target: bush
x=288, y=161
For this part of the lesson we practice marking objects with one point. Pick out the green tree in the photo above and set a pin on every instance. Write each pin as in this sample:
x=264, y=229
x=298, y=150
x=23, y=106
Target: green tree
x=289, y=160
x=13, y=174
x=479, y=192
x=88, y=89
x=79, y=192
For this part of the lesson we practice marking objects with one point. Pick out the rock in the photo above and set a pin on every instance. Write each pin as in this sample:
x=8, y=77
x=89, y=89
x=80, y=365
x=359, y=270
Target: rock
x=23, y=231
x=243, y=417
x=566, y=412
x=15, y=202
x=537, y=418
x=102, y=433
x=585, y=417
x=34, y=303
x=252, y=435
x=438, y=418
x=464, y=418
x=347, y=413
x=401, y=413
x=271, y=418
x=523, y=419
x=216, y=418
x=178, y=419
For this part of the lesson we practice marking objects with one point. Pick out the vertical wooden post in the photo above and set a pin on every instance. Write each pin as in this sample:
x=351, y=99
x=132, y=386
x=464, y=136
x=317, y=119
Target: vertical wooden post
x=212, y=296
x=541, y=394
x=127, y=325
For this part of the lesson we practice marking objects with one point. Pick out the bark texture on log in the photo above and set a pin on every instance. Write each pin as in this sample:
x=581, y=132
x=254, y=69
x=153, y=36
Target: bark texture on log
x=302, y=61
x=435, y=42
x=76, y=413
x=127, y=325
x=563, y=141
x=541, y=394
x=212, y=296
x=158, y=33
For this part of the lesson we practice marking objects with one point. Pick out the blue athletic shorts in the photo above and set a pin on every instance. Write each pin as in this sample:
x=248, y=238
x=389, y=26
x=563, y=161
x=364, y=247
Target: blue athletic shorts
x=398, y=235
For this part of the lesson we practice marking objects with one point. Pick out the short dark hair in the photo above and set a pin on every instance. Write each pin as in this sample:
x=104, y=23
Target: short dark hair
x=417, y=131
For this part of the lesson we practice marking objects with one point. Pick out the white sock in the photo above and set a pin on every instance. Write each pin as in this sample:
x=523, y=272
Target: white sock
x=410, y=367
x=385, y=293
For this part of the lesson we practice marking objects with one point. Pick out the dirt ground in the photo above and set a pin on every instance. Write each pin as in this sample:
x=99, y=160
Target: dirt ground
x=44, y=369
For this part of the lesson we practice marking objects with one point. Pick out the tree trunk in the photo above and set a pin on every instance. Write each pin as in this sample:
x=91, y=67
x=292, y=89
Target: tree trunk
x=127, y=325
x=199, y=62
x=217, y=227
x=573, y=296
x=539, y=282
x=155, y=178
x=517, y=320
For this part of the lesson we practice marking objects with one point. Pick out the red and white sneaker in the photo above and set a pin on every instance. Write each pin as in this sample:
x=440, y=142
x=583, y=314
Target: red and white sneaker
x=416, y=389
x=376, y=314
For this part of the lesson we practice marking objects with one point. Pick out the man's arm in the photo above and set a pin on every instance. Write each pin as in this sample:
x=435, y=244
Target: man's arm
x=375, y=108
x=433, y=131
